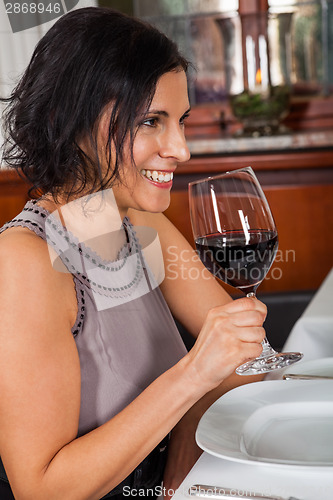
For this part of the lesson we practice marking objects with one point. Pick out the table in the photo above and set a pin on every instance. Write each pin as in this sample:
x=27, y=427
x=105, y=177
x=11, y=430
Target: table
x=313, y=335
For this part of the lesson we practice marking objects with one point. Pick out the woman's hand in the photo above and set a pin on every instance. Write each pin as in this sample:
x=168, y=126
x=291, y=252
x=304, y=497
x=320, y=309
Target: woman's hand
x=231, y=335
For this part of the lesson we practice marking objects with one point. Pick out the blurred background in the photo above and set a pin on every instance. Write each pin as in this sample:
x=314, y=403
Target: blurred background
x=209, y=34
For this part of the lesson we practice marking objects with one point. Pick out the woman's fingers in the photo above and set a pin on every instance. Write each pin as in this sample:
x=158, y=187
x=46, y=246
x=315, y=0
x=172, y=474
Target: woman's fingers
x=253, y=334
x=246, y=304
x=252, y=351
x=231, y=335
x=247, y=318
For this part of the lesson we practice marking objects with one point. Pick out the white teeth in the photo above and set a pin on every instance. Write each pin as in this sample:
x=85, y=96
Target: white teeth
x=157, y=176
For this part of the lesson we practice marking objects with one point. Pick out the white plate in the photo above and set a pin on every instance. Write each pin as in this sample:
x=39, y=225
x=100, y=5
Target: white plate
x=315, y=368
x=277, y=422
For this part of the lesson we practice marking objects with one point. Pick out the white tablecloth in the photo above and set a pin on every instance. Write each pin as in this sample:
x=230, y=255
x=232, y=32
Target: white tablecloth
x=312, y=335
x=307, y=483
x=313, y=332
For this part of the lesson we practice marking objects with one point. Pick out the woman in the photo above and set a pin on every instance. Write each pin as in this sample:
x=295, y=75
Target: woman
x=94, y=379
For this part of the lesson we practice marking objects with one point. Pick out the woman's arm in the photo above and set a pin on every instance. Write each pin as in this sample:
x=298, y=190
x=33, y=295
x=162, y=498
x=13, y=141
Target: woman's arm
x=191, y=291
x=40, y=382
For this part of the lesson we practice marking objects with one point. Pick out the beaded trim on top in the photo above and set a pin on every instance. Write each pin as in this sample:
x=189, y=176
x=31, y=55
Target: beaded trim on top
x=116, y=279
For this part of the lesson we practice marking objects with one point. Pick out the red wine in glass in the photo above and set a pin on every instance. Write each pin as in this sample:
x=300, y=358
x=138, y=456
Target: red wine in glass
x=236, y=239
x=238, y=262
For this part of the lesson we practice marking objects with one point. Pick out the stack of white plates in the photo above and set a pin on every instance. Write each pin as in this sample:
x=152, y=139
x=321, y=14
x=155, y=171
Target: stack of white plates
x=280, y=423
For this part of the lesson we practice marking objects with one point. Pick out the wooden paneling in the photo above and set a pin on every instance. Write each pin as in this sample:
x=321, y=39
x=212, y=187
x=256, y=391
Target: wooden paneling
x=304, y=218
x=13, y=195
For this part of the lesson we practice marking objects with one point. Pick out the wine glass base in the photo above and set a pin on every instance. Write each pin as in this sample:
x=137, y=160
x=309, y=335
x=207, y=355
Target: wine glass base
x=265, y=364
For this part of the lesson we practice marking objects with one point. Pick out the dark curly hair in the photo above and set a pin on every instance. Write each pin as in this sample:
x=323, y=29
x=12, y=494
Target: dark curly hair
x=91, y=57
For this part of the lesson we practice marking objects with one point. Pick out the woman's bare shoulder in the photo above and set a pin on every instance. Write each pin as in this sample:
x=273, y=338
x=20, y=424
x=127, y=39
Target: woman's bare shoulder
x=27, y=274
x=14, y=235
x=21, y=250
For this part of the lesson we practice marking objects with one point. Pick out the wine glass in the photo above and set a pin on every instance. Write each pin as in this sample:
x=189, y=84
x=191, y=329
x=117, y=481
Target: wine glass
x=236, y=239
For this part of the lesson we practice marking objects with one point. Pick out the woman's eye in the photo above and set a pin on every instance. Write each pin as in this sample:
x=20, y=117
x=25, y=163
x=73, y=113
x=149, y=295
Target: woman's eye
x=150, y=122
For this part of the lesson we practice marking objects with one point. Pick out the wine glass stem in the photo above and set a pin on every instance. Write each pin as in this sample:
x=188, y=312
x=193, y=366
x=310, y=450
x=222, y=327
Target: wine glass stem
x=267, y=349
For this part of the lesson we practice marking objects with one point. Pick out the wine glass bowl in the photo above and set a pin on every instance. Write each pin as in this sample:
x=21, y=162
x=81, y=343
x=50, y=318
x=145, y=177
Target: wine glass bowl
x=237, y=240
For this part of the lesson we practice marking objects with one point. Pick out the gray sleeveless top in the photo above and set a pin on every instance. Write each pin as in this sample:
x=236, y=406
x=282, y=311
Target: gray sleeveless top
x=122, y=348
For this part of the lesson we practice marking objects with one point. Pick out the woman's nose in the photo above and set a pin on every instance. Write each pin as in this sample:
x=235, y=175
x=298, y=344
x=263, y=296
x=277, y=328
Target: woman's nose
x=174, y=145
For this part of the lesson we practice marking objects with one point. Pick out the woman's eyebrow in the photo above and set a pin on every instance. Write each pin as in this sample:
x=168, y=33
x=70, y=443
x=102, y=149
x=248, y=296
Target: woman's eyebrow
x=157, y=112
x=165, y=113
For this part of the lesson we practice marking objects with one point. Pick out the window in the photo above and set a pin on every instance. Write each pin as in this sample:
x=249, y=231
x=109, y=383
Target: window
x=209, y=33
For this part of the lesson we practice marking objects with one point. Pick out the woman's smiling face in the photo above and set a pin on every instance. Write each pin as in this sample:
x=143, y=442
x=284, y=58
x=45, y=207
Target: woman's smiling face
x=159, y=146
